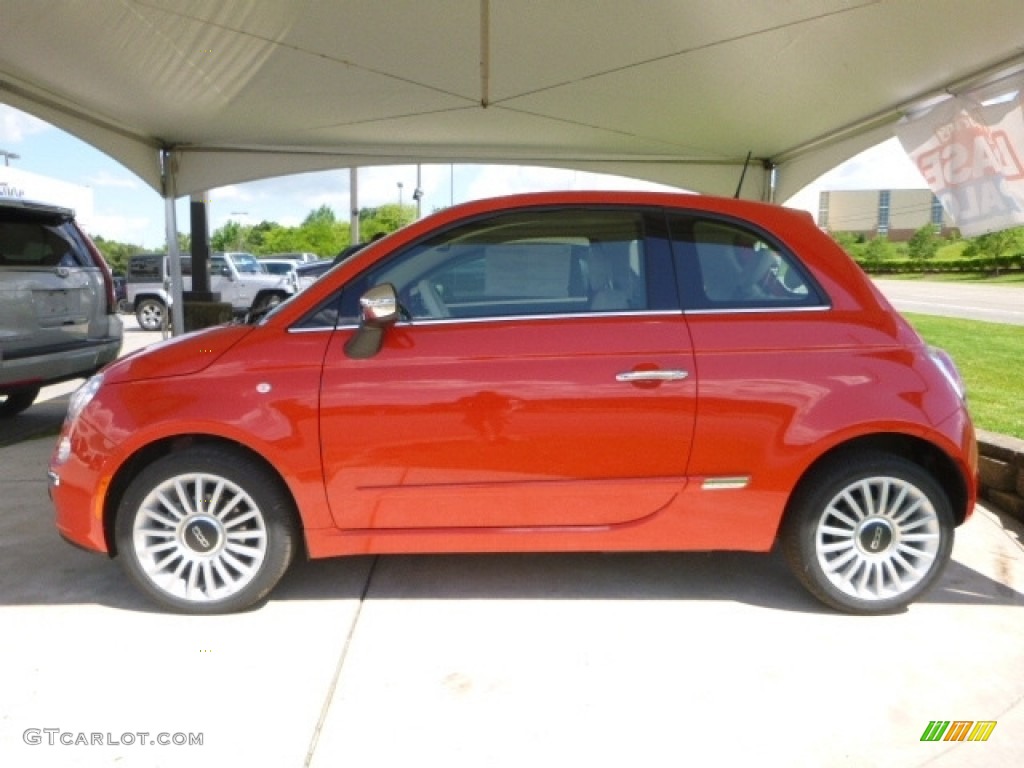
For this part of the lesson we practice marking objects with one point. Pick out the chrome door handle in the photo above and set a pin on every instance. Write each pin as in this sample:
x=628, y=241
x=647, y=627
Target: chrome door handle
x=658, y=375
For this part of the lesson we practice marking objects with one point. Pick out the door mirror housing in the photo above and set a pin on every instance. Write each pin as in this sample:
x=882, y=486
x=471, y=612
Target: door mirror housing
x=378, y=310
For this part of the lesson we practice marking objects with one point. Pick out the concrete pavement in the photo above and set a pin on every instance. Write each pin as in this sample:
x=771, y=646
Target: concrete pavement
x=498, y=660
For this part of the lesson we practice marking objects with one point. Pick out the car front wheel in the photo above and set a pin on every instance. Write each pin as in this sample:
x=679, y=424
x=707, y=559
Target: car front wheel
x=151, y=314
x=868, y=534
x=205, y=530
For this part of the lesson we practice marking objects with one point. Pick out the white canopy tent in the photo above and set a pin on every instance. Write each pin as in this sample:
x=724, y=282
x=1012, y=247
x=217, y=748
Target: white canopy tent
x=196, y=94
x=675, y=91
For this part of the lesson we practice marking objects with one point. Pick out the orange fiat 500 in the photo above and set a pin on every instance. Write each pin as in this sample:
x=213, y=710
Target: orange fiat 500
x=549, y=372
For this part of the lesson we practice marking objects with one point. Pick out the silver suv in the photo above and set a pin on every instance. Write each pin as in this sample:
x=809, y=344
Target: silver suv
x=236, y=276
x=58, y=317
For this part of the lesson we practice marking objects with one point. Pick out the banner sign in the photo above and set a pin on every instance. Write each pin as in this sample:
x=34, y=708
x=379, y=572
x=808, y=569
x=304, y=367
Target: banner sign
x=971, y=157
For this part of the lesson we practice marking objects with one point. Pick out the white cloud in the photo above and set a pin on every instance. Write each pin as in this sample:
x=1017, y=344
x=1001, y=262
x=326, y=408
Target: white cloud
x=231, y=192
x=108, y=179
x=16, y=125
x=124, y=229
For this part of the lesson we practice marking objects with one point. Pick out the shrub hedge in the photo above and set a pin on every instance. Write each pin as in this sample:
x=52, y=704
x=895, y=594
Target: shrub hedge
x=985, y=264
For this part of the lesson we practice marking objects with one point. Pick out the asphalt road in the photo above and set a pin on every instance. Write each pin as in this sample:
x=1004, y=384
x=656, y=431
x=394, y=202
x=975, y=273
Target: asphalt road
x=973, y=301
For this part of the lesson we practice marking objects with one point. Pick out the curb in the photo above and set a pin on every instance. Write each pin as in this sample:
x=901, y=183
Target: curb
x=1001, y=472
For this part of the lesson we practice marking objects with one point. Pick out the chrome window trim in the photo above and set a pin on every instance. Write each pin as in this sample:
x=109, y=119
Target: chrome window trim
x=576, y=316
x=756, y=310
x=553, y=316
x=504, y=318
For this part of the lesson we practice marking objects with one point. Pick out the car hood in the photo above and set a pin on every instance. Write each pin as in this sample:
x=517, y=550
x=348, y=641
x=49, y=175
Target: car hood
x=178, y=356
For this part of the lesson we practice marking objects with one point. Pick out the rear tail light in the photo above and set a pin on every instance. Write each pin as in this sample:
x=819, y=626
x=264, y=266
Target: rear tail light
x=108, y=276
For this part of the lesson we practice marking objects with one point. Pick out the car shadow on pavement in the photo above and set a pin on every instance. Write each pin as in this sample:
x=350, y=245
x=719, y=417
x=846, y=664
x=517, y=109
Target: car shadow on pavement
x=50, y=572
x=751, y=578
x=42, y=419
x=38, y=568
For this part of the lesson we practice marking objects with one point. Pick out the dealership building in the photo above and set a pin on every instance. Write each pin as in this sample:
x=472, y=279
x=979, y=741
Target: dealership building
x=23, y=185
x=892, y=213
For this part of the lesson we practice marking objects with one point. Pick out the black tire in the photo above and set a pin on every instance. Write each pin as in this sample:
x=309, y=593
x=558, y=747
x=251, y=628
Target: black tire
x=15, y=402
x=266, y=301
x=151, y=314
x=219, y=555
x=868, y=534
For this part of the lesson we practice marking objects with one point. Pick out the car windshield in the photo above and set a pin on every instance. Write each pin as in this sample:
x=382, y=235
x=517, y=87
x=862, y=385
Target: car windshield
x=246, y=263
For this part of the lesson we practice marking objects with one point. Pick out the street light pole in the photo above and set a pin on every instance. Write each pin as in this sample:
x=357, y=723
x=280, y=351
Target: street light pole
x=417, y=194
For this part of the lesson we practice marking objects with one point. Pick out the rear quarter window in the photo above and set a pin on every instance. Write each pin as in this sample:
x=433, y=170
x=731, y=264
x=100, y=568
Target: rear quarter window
x=727, y=265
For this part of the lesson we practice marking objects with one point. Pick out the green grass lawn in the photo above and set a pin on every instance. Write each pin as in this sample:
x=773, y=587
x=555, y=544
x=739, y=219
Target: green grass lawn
x=990, y=357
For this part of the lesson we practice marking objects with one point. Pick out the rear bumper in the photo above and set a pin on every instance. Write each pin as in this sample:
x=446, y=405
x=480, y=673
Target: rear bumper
x=70, y=362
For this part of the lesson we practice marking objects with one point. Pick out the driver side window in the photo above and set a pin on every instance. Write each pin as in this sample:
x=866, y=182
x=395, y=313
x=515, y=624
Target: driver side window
x=521, y=264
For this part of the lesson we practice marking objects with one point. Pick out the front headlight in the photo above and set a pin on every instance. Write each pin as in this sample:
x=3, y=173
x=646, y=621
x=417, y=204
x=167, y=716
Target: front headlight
x=83, y=395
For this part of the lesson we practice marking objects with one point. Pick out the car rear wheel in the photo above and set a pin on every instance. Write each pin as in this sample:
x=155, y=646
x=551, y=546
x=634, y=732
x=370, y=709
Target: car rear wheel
x=205, y=531
x=15, y=402
x=868, y=534
x=151, y=314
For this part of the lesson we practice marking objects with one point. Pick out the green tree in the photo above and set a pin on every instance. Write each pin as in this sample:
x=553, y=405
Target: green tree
x=995, y=244
x=384, y=219
x=227, y=237
x=322, y=215
x=184, y=243
x=320, y=232
x=116, y=254
x=924, y=243
x=878, y=248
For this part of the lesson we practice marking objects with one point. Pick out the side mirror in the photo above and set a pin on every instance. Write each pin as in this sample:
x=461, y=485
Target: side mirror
x=379, y=310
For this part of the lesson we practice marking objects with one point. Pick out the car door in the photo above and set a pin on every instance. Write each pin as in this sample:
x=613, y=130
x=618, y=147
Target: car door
x=544, y=379
x=47, y=288
x=222, y=280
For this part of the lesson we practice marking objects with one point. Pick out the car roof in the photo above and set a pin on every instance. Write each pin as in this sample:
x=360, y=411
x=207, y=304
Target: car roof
x=312, y=266
x=37, y=207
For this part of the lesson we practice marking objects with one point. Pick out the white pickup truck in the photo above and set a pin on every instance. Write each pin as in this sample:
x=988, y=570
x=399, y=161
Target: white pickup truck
x=237, y=276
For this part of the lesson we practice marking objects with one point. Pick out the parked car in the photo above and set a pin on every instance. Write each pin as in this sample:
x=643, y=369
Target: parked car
x=308, y=273
x=58, y=316
x=282, y=268
x=574, y=371
x=236, y=276
x=300, y=256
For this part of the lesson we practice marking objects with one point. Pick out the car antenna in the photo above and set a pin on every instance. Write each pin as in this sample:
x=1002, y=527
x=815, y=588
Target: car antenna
x=743, y=173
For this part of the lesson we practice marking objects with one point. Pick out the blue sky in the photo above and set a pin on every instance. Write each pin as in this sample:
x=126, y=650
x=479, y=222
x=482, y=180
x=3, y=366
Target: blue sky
x=127, y=210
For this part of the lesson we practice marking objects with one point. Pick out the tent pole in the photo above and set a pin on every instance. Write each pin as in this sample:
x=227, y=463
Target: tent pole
x=173, y=252
x=771, y=181
x=353, y=198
